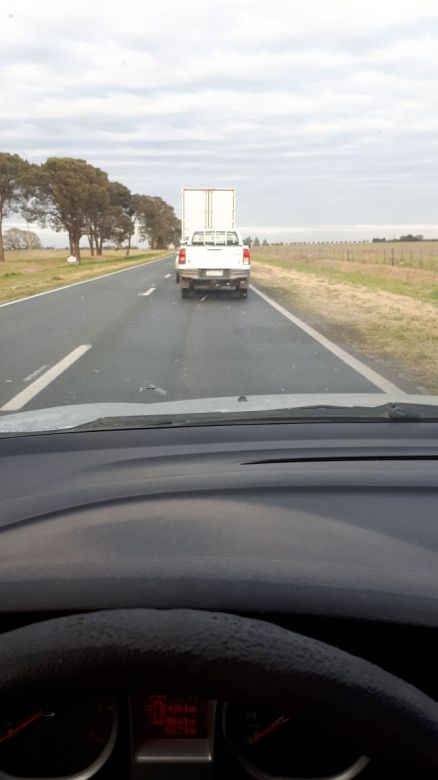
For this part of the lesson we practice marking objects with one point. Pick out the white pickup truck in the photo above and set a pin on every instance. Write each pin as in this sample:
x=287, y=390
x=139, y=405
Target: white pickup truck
x=213, y=260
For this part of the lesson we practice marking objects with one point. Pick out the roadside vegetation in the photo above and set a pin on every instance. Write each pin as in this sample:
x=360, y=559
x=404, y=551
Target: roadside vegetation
x=29, y=272
x=417, y=253
x=70, y=195
x=380, y=301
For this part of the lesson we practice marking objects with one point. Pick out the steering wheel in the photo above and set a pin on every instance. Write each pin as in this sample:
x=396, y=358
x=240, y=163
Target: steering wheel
x=227, y=657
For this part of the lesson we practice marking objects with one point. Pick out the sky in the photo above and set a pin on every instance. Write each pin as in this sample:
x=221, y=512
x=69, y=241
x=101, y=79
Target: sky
x=322, y=113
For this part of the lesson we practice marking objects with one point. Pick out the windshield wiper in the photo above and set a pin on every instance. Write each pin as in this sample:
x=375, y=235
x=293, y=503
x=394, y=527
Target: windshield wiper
x=390, y=412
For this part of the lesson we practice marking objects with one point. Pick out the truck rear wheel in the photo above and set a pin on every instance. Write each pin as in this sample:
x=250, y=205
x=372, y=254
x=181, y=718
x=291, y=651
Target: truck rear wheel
x=185, y=292
x=177, y=277
x=244, y=293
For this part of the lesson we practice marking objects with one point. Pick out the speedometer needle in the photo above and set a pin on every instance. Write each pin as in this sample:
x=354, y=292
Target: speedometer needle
x=267, y=730
x=12, y=732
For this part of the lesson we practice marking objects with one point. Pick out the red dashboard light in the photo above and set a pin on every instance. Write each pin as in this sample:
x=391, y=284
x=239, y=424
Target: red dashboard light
x=165, y=717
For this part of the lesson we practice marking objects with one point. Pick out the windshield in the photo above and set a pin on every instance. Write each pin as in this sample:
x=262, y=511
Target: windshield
x=296, y=143
x=215, y=238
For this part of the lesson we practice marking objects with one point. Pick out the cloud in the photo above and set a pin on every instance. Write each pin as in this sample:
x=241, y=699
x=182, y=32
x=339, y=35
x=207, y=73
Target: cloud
x=312, y=110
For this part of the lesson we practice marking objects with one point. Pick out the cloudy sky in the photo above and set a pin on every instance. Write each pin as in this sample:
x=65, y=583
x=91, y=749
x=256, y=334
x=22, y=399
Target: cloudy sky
x=321, y=112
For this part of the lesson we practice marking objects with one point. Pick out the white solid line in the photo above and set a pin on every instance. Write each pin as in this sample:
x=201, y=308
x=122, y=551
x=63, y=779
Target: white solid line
x=148, y=292
x=43, y=381
x=34, y=374
x=86, y=281
x=376, y=379
x=168, y=276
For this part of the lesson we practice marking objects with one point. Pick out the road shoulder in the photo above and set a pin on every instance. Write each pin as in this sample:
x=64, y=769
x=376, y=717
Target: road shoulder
x=71, y=276
x=339, y=313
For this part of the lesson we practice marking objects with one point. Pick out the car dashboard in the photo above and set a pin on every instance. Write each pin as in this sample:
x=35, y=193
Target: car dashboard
x=171, y=735
x=160, y=735
x=327, y=530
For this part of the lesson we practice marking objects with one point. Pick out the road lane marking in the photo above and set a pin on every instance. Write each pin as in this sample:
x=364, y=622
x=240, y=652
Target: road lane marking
x=372, y=376
x=86, y=281
x=204, y=298
x=148, y=292
x=34, y=374
x=26, y=395
x=168, y=276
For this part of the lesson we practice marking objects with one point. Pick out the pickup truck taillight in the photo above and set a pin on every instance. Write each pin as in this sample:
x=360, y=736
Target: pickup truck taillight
x=182, y=255
x=246, y=256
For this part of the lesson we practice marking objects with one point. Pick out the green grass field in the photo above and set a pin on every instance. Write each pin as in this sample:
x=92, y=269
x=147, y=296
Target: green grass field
x=27, y=273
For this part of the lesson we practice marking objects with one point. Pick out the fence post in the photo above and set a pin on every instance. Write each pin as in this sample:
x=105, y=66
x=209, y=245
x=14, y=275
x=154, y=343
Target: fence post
x=392, y=256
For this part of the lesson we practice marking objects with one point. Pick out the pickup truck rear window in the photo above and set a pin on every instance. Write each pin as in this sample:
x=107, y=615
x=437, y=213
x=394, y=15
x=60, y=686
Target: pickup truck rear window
x=215, y=238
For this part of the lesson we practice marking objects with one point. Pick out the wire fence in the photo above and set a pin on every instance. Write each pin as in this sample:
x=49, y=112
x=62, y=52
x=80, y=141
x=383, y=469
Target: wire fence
x=413, y=254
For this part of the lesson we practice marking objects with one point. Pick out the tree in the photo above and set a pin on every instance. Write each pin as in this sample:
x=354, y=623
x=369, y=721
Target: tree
x=264, y=242
x=111, y=215
x=157, y=221
x=16, y=239
x=256, y=242
x=98, y=210
x=67, y=194
x=123, y=214
x=32, y=239
x=12, y=240
x=122, y=230
x=13, y=171
x=248, y=241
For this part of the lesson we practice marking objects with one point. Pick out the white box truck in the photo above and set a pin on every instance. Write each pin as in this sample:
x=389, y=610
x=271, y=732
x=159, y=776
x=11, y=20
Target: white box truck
x=203, y=209
x=212, y=254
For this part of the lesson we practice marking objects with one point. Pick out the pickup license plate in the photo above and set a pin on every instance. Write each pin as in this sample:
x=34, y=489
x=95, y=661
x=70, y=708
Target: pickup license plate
x=214, y=273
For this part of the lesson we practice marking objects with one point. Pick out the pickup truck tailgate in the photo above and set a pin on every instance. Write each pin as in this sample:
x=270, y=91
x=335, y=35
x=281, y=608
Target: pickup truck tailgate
x=214, y=257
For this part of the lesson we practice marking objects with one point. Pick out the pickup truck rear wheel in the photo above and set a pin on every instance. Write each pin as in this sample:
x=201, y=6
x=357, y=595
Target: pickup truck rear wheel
x=177, y=277
x=184, y=292
x=244, y=293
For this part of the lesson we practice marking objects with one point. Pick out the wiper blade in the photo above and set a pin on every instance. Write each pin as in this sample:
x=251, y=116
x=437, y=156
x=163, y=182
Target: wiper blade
x=391, y=412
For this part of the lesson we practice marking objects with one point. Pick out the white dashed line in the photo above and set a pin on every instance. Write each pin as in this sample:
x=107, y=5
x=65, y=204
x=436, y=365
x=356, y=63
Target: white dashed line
x=148, y=292
x=43, y=381
x=376, y=379
x=34, y=374
x=204, y=298
x=168, y=276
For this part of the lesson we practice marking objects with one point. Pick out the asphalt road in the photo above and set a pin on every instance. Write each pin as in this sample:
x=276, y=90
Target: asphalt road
x=130, y=337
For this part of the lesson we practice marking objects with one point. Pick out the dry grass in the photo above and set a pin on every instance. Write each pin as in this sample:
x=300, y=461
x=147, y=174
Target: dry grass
x=27, y=273
x=400, y=329
x=415, y=254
